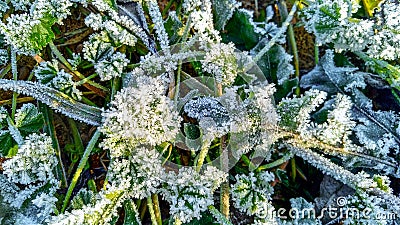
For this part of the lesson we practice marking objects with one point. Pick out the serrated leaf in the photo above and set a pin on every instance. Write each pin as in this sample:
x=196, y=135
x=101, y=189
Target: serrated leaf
x=28, y=119
x=131, y=214
x=46, y=72
x=6, y=142
x=41, y=33
x=134, y=11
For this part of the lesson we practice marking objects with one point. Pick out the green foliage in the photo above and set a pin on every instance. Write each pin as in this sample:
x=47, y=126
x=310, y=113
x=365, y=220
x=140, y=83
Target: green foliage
x=28, y=120
x=131, y=214
x=223, y=11
x=240, y=30
x=42, y=33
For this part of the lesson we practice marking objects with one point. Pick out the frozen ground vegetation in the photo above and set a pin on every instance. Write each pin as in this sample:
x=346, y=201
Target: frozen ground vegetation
x=197, y=112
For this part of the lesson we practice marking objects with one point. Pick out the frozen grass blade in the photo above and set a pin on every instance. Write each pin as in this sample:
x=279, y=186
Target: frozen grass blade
x=56, y=100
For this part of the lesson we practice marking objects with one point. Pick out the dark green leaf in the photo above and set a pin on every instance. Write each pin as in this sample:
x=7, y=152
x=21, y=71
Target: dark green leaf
x=222, y=11
x=206, y=219
x=28, y=119
x=130, y=214
x=240, y=31
x=6, y=142
x=172, y=26
x=282, y=91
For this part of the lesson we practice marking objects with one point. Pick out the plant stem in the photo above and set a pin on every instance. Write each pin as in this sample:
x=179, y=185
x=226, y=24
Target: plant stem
x=151, y=211
x=15, y=77
x=248, y=162
x=276, y=37
x=91, y=85
x=167, y=7
x=19, y=100
x=80, y=168
x=178, y=74
x=86, y=79
x=224, y=196
x=316, y=54
x=275, y=163
x=293, y=45
x=76, y=136
x=4, y=71
x=157, y=211
x=202, y=155
x=51, y=131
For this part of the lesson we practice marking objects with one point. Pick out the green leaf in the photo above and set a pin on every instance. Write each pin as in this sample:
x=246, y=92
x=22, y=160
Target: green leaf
x=6, y=142
x=282, y=91
x=29, y=119
x=13, y=151
x=223, y=11
x=41, y=33
x=219, y=216
x=131, y=214
x=240, y=30
x=206, y=219
x=112, y=4
x=172, y=26
x=371, y=5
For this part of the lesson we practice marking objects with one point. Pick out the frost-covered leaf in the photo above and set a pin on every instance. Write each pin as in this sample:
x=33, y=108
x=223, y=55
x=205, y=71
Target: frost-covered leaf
x=134, y=11
x=329, y=78
x=276, y=64
x=83, y=197
x=240, y=30
x=223, y=11
x=131, y=214
x=97, y=49
x=56, y=100
x=378, y=132
x=28, y=119
x=295, y=112
x=172, y=26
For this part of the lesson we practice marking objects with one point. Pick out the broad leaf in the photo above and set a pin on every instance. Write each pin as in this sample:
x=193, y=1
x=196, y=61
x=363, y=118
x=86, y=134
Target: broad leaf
x=6, y=142
x=28, y=119
x=240, y=30
x=331, y=79
x=223, y=11
x=41, y=33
